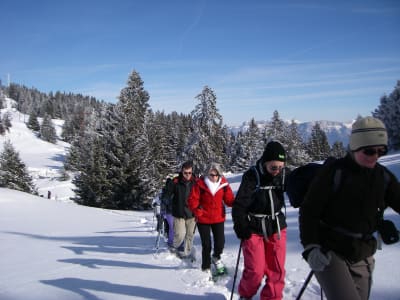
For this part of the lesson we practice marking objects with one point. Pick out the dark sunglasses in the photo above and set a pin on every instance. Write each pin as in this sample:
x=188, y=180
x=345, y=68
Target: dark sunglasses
x=213, y=175
x=275, y=168
x=373, y=151
x=187, y=173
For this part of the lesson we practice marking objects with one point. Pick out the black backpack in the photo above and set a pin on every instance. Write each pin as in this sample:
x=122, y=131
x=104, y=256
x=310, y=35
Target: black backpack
x=299, y=180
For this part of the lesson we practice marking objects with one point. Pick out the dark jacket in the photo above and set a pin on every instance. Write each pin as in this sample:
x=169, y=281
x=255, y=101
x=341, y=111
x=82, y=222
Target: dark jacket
x=179, y=191
x=166, y=198
x=250, y=202
x=344, y=220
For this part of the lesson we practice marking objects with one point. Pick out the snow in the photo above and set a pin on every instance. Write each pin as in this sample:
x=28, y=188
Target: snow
x=56, y=249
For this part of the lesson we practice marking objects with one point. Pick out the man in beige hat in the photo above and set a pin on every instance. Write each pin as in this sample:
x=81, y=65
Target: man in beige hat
x=337, y=223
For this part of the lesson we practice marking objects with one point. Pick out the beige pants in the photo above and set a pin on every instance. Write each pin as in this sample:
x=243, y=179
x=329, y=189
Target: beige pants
x=184, y=233
x=342, y=280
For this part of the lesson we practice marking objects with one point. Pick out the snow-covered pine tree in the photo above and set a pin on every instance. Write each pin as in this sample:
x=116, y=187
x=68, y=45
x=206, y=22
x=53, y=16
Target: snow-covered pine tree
x=2, y=127
x=318, y=146
x=47, y=130
x=338, y=150
x=276, y=130
x=206, y=142
x=162, y=147
x=389, y=112
x=13, y=172
x=296, y=150
x=93, y=187
x=33, y=122
x=250, y=146
x=7, y=121
x=127, y=147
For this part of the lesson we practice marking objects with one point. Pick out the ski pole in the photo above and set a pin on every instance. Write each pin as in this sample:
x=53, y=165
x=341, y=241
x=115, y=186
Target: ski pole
x=236, y=269
x=160, y=232
x=305, y=284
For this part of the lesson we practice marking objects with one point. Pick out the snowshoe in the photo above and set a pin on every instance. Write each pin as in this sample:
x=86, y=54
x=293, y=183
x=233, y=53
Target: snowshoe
x=186, y=257
x=217, y=274
x=218, y=268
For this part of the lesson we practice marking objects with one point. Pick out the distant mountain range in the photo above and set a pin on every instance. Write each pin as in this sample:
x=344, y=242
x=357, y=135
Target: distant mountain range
x=335, y=131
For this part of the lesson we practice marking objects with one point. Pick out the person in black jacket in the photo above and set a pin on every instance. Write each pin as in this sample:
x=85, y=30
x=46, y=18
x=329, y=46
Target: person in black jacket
x=184, y=221
x=261, y=225
x=166, y=209
x=337, y=226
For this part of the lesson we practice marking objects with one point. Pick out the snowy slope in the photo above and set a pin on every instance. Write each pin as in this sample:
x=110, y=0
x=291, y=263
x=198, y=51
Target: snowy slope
x=56, y=249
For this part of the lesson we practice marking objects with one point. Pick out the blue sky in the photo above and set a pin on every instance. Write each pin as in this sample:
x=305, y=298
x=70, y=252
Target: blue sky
x=310, y=60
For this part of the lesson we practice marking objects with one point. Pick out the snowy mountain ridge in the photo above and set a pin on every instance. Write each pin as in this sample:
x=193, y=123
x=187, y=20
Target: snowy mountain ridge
x=335, y=131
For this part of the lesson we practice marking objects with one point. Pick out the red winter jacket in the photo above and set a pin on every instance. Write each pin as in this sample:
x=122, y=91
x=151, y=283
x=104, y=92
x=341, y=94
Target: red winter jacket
x=208, y=208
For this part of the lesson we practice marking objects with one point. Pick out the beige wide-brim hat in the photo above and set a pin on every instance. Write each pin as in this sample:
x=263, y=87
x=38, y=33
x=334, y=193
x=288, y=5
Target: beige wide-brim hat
x=366, y=132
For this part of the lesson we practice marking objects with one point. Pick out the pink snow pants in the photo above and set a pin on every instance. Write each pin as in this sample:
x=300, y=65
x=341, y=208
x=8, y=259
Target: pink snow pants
x=262, y=257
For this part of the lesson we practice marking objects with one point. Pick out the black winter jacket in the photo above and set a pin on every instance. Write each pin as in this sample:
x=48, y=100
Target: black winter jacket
x=179, y=191
x=345, y=219
x=249, y=202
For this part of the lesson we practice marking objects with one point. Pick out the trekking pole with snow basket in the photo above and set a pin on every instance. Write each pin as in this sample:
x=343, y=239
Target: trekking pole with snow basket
x=160, y=229
x=236, y=269
x=305, y=285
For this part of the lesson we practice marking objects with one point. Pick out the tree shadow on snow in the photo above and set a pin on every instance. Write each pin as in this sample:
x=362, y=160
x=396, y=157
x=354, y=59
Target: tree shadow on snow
x=100, y=244
x=83, y=287
x=96, y=263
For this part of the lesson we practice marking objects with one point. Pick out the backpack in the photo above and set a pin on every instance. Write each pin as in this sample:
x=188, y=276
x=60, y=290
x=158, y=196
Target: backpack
x=299, y=180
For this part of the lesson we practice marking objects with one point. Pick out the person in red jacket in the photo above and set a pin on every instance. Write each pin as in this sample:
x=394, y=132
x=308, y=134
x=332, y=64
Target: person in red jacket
x=207, y=201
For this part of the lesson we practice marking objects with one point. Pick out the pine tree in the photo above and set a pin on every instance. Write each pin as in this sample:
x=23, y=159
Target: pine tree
x=206, y=142
x=13, y=172
x=33, y=122
x=250, y=147
x=162, y=147
x=2, y=127
x=338, y=150
x=93, y=187
x=296, y=149
x=47, y=130
x=129, y=180
x=318, y=146
x=389, y=112
x=276, y=129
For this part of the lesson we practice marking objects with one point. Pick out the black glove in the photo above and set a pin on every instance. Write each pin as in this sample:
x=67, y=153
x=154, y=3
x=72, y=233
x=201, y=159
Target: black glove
x=241, y=228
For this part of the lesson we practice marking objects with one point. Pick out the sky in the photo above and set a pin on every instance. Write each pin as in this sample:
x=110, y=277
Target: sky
x=309, y=60
x=56, y=249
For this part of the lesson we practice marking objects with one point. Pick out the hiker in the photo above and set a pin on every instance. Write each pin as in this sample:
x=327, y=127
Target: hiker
x=207, y=200
x=260, y=224
x=156, y=204
x=166, y=208
x=184, y=222
x=336, y=227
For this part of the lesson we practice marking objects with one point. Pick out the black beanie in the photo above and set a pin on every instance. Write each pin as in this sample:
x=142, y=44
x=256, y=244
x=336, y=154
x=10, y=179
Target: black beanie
x=273, y=151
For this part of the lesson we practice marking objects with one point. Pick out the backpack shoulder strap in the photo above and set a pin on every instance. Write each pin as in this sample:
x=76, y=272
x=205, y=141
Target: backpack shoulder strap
x=254, y=168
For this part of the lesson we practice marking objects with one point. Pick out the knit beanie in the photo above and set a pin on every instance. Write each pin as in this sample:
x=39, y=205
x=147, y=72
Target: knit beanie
x=366, y=132
x=273, y=151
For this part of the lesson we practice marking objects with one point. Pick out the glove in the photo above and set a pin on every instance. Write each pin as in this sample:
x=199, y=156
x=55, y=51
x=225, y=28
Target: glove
x=316, y=259
x=241, y=228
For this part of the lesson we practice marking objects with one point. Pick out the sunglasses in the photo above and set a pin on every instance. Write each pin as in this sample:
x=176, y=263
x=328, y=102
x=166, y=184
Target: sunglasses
x=373, y=151
x=275, y=168
x=213, y=175
x=187, y=173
